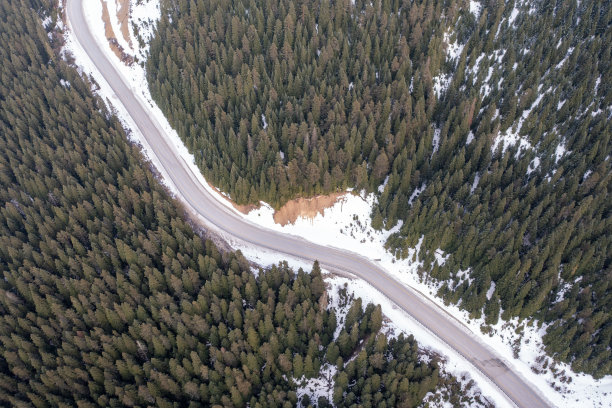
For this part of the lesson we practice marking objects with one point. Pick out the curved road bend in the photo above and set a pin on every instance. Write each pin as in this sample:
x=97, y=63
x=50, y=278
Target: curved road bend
x=214, y=213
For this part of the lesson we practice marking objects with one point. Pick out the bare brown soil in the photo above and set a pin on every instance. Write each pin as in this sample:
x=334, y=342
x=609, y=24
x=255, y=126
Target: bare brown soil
x=108, y=30
x=123, y=15
x=292, y=210
x=305, y=207
x=112, y=38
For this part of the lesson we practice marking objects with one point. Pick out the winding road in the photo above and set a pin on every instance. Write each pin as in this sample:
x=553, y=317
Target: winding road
x=213, y=214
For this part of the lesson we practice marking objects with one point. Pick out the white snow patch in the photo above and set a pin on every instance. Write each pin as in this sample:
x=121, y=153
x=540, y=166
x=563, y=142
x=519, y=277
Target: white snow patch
x=512, y=136
x=416, y=193
x=598, y=111
x=266, y=258
x=560, y=151
x=470, y=138
x=46, y=22
x=485, y=89
x=351, y=86
x=441, y=83
x=533, y=165
x=474, y=70
x=495, y=114
x=587, y=174
x=513, y=15
x=475, y=8
x=263, y=120
x=454, y=49
x=499, y=26
x=564, y=287
x=463, y=275
x=144, y=14
x=321, y=386
x=475, y=183
x=499, y=56
x=597, y=82
x=381, y=188
x=567, y=55
x=435, y=141
x=441, y=257
x=339, y=301
x=491, y=290
x=64, y=83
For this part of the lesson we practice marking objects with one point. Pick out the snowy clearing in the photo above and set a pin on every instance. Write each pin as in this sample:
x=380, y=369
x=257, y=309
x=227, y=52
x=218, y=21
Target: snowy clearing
x=144, y=15
x=475, y=8
x=454, y=49
x=441, y=84
x=321, y=386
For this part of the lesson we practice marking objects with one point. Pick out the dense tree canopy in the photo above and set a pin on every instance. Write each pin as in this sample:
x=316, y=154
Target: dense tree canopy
x=282, y=98
x=534, y=220
x=107, y=295
x=285, y=98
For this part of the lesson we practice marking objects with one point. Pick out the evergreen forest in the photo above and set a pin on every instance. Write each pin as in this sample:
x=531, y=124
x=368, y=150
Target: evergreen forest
x=108, y=295
x=488, y=123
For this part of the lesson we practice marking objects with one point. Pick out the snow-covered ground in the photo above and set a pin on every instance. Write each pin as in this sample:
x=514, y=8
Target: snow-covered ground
x=321, y=386
x=441, y=84
x=347, y=225
x=144, y=15
x=475, y=8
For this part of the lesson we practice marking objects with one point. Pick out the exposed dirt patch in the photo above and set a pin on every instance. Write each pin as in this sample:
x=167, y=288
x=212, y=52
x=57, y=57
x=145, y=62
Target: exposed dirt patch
x=108, y=30
x=111, y=37
x=292, y=210
x=305, y=207
x=123, y=15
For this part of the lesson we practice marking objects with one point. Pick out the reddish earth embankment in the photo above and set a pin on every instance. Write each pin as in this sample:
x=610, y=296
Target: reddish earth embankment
x=305, y=207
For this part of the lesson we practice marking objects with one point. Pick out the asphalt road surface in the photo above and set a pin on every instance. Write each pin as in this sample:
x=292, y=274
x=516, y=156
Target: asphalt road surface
x=211, y=213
